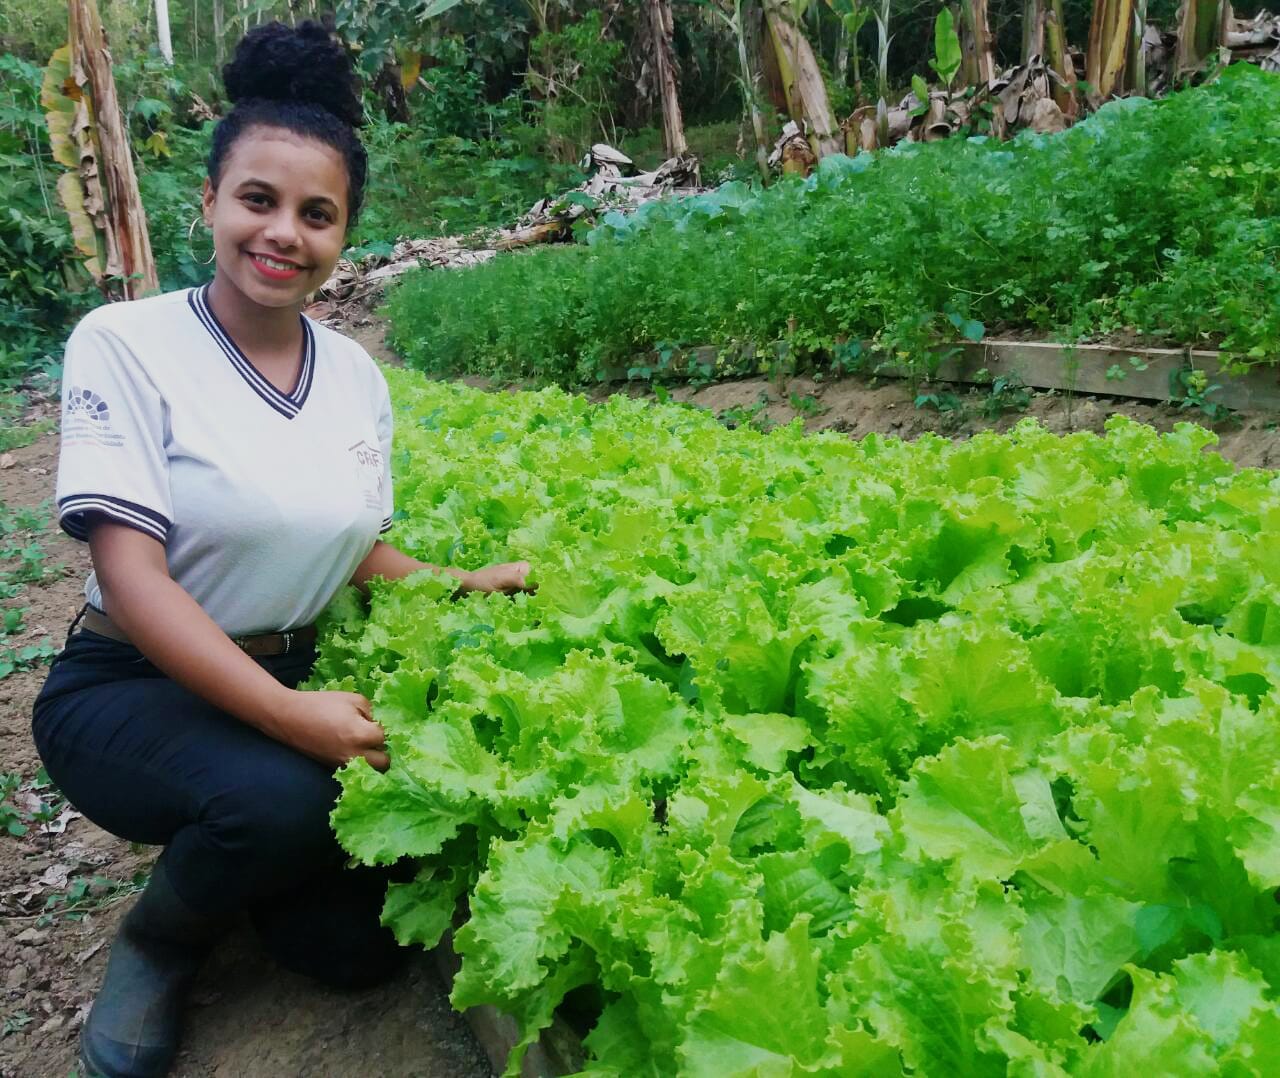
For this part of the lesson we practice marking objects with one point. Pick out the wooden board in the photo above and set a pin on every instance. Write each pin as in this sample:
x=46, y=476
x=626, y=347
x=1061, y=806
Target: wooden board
x=1095, y=369
x=558, y=1051
x=1084, y=368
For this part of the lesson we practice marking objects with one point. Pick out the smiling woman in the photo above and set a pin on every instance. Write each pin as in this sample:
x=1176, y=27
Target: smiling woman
x=228, y=461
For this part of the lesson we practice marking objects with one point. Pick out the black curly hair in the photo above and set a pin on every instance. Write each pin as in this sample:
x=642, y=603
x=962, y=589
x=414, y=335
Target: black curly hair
x=300, y=79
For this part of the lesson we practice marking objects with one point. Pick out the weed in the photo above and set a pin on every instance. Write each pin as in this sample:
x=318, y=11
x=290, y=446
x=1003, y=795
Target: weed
x=748, y=415
x=43, y=805
x=24, y=658
x=1007, y=394
x=15, y=1023
x=808, y=405
x=942, y=401
x=89, y=895
x=1190, y=388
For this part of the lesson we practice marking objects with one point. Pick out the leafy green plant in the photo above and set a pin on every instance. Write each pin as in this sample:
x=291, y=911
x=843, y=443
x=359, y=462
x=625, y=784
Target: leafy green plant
x=89, y=894
x=49, y=802
x=940, y=400
x=748, y=415
x=1007, y=393
x=11, y=821
x=40, y=289
x=964, y=749
x=1191, y=388
x=15, y=1023
x=806, y=404
x=1171, y=249
x=947, y=57
x=26, y=657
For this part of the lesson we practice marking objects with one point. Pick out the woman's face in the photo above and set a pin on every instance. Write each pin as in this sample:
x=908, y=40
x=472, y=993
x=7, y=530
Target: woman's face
x=278, y=215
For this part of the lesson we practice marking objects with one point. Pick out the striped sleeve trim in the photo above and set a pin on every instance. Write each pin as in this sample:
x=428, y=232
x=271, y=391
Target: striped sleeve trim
x=73, y=513
x=386, y=526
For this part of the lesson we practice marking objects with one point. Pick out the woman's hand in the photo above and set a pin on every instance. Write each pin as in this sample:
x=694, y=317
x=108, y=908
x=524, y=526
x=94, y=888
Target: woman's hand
x=508, y=578
x=332, y=727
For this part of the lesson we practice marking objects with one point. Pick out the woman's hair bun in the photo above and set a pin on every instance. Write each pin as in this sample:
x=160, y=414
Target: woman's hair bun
x=303, y=64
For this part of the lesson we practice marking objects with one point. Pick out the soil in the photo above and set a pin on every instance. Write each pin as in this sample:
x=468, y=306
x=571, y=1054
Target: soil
x=248, y=1017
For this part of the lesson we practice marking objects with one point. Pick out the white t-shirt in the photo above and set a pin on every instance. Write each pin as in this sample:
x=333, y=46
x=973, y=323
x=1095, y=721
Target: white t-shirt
x=266, y=502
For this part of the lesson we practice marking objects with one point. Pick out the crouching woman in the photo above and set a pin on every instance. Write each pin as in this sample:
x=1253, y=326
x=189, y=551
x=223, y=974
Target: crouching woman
x=228, y=462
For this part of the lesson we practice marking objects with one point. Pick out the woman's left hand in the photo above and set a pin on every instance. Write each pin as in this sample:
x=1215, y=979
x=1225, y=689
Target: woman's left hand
x=508, y=578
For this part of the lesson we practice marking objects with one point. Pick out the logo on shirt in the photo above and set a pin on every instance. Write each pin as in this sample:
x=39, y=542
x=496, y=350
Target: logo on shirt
x=369, y=470
x=87, y=403
x=86, y=420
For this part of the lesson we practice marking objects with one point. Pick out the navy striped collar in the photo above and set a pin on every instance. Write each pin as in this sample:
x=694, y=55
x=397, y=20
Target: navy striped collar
x=287, y=404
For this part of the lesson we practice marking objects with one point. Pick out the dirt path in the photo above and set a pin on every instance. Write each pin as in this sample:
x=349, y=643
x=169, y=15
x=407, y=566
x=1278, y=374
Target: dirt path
x=250, y=1019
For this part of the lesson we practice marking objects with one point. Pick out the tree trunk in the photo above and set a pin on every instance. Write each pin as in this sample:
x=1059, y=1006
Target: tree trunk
x=87, y=134
x=976, y=44
x=219, y=33
x=842, y=56
x=745, y=17
x=1064, y=86
x=1135, y=64
x=807, y=102
x=1032, y=29
x=1201, y=30
x=662, y=24
x=162, y=31
x=1109, y=32
x=390, y=90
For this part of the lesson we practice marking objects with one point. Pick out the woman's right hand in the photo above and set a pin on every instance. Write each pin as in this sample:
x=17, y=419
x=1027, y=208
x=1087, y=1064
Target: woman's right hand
x=332, y=727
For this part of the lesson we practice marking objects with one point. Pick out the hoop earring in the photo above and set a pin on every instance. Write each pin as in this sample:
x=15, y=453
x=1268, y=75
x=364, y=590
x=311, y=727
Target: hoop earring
x=191, y=232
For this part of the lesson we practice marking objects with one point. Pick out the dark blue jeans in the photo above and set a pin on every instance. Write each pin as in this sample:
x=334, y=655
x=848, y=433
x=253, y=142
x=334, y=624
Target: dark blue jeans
x=244, y=819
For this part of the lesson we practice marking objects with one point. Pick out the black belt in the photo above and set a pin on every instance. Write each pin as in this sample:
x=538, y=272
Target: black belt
x=259, y=645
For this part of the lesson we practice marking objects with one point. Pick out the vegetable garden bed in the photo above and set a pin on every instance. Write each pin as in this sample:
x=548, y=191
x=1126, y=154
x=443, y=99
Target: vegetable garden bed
x=823, y=757
x=1148, y=221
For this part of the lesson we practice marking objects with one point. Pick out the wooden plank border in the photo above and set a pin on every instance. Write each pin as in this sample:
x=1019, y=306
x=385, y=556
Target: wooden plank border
x=557, y=1052
x=1148, y=373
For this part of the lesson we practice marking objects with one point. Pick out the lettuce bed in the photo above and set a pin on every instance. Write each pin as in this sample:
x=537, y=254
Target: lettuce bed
x=821, y=757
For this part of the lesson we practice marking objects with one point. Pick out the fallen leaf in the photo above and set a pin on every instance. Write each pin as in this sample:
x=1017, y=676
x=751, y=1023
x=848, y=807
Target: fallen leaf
x=89, y=952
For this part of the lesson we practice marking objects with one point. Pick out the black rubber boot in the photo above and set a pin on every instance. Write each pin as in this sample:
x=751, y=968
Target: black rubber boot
x=133, y=1029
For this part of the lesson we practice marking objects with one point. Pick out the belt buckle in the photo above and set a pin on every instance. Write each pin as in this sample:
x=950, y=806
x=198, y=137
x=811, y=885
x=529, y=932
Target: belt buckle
x=288, y=642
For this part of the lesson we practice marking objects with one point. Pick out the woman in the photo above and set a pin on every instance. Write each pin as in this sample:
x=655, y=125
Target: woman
x=228, y=463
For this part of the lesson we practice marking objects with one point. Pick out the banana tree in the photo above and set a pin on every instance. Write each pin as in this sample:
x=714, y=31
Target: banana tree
x=1136, y=61
x=1202, y=30
x=163, y=38
x=734, y=15
x=852, y=17
x=1110, y=31
x=882, y=72
x=806, y=92
x=661, y=32
x=87, y=135
x=1032, y=29
x=976, y=43
x=1060, y=62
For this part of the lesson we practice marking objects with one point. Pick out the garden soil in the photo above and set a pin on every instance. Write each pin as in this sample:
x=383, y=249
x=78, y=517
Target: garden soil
x=250, y=1019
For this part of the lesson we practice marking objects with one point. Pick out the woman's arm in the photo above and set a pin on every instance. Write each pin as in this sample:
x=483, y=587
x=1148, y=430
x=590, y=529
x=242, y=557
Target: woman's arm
x=389, y=563
x=169, y=628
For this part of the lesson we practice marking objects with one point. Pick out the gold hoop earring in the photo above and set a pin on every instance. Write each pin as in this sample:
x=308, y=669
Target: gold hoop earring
x=191, y=232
